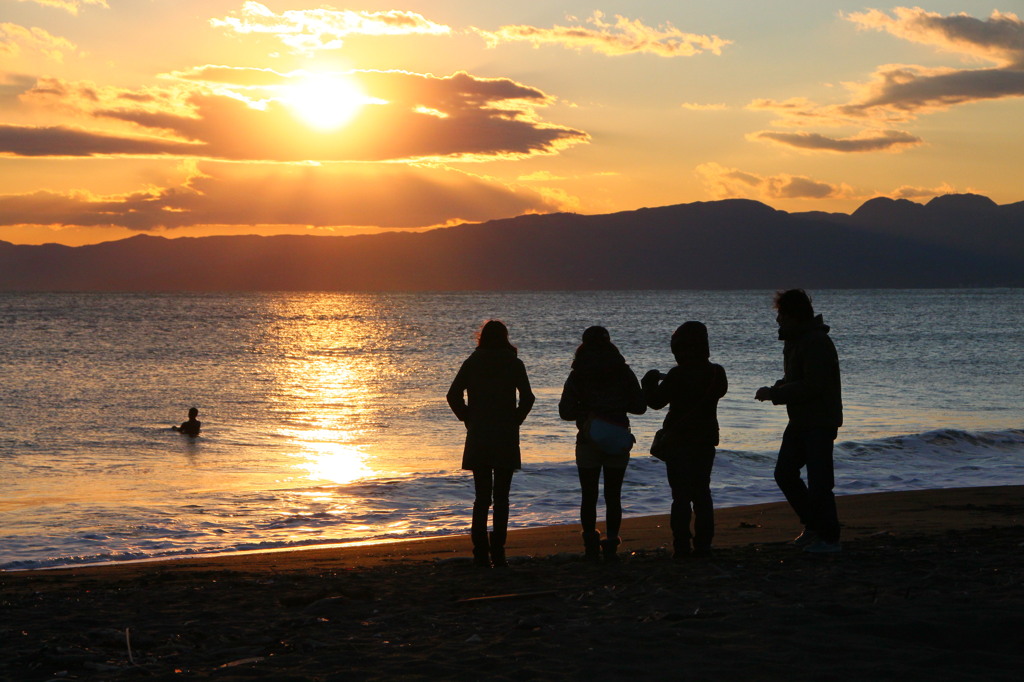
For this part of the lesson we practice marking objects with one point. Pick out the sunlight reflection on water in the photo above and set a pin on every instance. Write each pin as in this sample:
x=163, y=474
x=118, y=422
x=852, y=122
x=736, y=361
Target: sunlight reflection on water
x=324, y=415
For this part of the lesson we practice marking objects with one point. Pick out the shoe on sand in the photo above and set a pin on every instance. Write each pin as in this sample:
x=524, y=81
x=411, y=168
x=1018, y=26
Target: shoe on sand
x=822, y=547
x=808, y=537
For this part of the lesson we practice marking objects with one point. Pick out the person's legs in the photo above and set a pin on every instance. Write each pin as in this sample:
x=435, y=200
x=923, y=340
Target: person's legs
x=699, y=462
x=483, y=484
x=792, y=457
x=613, y=500
x=502, y=486
x=680, y=518
x=818, y=446
x=613, y=478
x=590, y=478
x=589, y=482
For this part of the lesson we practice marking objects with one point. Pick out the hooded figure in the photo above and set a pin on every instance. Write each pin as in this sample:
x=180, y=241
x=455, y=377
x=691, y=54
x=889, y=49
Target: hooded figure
x=692, y=390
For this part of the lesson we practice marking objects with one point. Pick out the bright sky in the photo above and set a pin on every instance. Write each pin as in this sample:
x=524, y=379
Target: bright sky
x=194, y=117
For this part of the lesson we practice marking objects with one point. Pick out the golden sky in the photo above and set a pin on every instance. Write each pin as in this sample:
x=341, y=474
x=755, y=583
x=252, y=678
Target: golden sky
x=195, y=117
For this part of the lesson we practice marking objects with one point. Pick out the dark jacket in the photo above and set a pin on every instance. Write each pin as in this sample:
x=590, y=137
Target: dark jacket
x=691, y=390
x=491, y=378
x=811, y=389
x=601, y=384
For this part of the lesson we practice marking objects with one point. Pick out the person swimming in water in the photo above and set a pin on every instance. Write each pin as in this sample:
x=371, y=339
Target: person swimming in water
x=192, y=426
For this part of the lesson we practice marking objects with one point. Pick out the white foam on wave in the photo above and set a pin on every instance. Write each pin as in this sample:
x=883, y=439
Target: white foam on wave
x=438, y=503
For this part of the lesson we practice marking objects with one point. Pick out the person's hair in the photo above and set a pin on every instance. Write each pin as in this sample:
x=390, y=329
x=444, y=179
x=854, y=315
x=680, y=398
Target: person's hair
x=597, y=342
x=690, y=341
x=193, y=412
x=794, y=303
x=494, y=334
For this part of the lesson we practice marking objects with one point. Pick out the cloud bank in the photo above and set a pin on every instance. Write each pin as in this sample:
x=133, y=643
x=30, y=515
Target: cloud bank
x=623, y=36
x=723, y=182
x=15, y=39
x=72, y=6
x=306, y=31
x=868, y=141
x=412, y=117
x=392, y=196
x=900, y=93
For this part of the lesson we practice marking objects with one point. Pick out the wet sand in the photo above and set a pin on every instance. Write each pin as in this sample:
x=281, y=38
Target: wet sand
x=928, y=586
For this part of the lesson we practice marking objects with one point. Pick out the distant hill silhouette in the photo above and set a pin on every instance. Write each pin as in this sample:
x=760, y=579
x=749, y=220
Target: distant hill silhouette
x=952, y=241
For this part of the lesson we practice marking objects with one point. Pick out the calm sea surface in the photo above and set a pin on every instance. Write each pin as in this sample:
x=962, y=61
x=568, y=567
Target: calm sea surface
x=324, y=417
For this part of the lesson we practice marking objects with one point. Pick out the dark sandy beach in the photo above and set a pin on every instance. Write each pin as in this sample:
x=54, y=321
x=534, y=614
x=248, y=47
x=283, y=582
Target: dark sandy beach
x=928, y=587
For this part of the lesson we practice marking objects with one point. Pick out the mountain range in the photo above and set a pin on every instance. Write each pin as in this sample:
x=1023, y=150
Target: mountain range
x=958, y=240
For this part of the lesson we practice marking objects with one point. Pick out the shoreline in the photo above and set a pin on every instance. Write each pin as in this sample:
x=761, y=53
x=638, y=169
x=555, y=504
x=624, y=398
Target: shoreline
x=930, y=583
x=769, y=522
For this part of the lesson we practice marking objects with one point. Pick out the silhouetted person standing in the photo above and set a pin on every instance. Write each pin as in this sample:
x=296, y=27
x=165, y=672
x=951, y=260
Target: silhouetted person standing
x=491, y=377
x=811, y=390
x=600, y=390
x=192, y=426
x=692, y=390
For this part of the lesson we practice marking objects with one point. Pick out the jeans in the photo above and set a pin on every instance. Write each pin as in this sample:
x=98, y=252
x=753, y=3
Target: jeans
x=490, y=484
x=689, y=476
x=590, y=477
x=814, y=501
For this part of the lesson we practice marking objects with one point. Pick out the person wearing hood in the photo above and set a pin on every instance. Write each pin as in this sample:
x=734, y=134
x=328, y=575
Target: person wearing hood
x=689, y=435
x=811, y=390
x=499, y=398
x=600, y=390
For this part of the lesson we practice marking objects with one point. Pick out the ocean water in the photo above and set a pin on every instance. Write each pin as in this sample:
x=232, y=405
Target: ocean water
x=324, y=417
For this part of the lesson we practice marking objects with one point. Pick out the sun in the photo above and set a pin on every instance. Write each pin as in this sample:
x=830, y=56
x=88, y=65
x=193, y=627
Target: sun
x=325, y=102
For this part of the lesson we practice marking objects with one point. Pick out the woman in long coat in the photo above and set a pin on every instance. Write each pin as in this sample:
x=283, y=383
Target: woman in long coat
x=600, y=390
x=691, y=389
x=499, y=398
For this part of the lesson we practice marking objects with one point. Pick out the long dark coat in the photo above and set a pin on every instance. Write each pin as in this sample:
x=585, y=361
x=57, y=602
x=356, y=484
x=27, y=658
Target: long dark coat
x=811, y=389
x=491, y=378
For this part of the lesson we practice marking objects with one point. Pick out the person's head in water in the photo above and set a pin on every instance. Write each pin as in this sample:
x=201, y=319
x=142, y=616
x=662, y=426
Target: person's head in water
x=193, y=412
x=690, y=342
x=494, y=334
x=794, y=306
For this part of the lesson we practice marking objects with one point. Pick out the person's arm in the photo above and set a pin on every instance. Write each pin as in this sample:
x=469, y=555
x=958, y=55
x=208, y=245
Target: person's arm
x=721, y=385
x=656, y=390
x=456, y=394
x=635, y=401
x=526, y=397
x=569, y=403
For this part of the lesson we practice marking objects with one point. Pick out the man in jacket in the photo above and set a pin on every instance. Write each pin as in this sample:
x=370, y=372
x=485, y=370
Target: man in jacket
x=811, y=390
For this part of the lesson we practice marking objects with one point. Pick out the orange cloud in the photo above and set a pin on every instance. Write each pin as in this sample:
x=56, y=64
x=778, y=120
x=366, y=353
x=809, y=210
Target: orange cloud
x=911, y=192
x=902, y=92
x=730, y=183
x=624, y=36
x=868, y=141
x=14, y=39
x=413, y=117
x=306, y=31
x=343, y=195
x=722, y=182
x=72, y=6
x=694, y=106
x=1000, y=39
x=62, y=141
